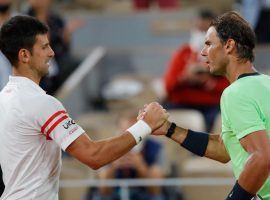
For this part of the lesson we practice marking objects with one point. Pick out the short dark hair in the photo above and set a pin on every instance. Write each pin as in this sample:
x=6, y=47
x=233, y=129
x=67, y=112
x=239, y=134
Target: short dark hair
x=231, y=25
x=17, y=33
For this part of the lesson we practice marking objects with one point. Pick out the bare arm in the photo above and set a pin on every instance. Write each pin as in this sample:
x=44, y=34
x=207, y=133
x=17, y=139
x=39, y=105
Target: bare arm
x=257, y=168
x=215, y=149
x=96, y=154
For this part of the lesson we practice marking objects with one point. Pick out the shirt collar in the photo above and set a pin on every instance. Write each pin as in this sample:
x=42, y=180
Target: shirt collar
x=248, y=74
x=21, y=80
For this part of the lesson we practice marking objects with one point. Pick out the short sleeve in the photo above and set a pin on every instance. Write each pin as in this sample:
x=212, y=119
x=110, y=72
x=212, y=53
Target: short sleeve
x=54, y=122
x=241, y=114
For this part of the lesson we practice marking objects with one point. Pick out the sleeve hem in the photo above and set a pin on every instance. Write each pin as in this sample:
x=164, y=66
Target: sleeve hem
x=250, y=130
x=72, y=138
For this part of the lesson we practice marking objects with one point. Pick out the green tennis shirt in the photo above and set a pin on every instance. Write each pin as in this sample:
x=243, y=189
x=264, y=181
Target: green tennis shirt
x=245, y=108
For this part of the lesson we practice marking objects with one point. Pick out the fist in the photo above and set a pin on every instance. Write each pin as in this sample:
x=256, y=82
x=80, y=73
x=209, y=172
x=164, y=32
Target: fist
x=154, y=115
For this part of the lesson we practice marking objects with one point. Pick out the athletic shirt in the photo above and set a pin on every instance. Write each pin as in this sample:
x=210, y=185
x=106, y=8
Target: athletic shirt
x=245, y=109
x=33, y=128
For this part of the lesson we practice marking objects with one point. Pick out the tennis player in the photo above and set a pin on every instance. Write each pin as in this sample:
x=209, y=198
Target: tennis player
x=245, y=110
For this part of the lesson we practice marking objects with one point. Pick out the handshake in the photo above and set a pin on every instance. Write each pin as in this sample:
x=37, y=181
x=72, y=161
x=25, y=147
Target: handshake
x=153, y=118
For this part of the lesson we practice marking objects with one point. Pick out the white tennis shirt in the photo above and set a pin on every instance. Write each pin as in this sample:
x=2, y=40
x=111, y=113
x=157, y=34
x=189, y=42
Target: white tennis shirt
x=34, y=127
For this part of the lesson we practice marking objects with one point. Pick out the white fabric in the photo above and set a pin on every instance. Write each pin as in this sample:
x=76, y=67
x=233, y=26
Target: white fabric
x=33, y=128
x=139, y=130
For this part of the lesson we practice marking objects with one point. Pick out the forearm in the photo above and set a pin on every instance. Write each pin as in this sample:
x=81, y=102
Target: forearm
x=255, y=172
x=99, y=153
x=96, y=154
x=215, y=148
x=108, y=150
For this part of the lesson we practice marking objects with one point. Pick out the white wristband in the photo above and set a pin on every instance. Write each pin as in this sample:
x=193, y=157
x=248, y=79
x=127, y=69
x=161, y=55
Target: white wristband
x=139, y=130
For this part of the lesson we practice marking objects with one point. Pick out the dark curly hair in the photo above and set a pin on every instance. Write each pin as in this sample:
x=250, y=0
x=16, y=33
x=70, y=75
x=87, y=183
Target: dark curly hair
x=231, y=25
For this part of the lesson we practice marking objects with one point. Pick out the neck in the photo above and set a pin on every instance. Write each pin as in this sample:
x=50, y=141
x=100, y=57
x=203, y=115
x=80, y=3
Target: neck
x=26, y=73
x=235, y=69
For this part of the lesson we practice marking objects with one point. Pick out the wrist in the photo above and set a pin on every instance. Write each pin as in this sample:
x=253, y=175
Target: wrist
x=167, y=126
x=239, y=193
x=170, y=129
x=196, y=142
x=139, y=130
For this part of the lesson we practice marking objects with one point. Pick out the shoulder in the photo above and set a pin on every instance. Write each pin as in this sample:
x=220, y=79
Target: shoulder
x=234, y=95
x=236, y=89
x=227, y=92
x=246, y=87
x=45, y=100
x=244, y=93
x=41, y=108
x=44, y=103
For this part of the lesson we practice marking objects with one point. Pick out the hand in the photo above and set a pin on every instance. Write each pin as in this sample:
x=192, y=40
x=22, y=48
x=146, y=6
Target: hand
x=154, y=115
x=163, y=129
x=141, y=113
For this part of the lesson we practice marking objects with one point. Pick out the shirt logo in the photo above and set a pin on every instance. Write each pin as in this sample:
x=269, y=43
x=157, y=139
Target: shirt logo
x=68, y=124
x=231, y=195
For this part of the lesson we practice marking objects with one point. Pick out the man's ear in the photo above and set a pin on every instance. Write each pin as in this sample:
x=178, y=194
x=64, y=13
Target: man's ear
x=230, y=46
x=24, y=55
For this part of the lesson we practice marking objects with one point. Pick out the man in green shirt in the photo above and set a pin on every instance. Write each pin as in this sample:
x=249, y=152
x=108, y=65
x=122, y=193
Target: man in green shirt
x=245, y=110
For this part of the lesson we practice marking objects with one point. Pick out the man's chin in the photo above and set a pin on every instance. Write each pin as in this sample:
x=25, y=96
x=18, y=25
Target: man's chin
x=215, y=72
x=44, y=74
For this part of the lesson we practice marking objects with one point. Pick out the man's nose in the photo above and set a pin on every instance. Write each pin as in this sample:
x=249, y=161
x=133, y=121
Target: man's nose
x=203, y=51
x=51, y=53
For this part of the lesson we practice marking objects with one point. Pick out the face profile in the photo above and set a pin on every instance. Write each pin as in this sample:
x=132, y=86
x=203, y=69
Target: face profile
x=41, y=55
x=213, y=53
